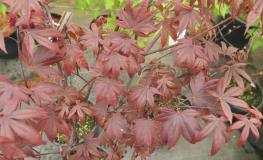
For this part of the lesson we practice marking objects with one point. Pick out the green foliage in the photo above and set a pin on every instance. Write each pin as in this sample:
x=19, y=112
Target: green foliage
x=258, y=40
x=219, y=10
x=2, y=9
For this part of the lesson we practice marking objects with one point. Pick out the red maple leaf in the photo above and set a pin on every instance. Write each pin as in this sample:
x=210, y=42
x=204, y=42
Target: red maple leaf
x=125, y=45
x=79, y=108
x=25, y=6
x=217, y=124
x=2, y=40
x=41, y=61
x=114, y=62
x=9, y=125
x=114, y=127
x=188, y=51
x=130, y=112
x=92, y=37
x=166, y=85
x=100, y=112
x=52, y=124
x=188, y=17
x=247, y=4
x=99, y=68
x=167, y=27
x=142, y=92
x=176, y=123
x=146, y=131
x=63, y=111
x=227, y=97
x=34, y=18
x=229, y=51
x=200, y=97
x=74, y=54
x=178, y=6
x=250, y=124
x=234, y=70
x=9, y=90
x=43, y=91
x=137, y=21
x=108, y=88
x=254, y=14
x=41, y=35
x=68, y=94
x=134, y=64
x=88, y=149
x=212, y=51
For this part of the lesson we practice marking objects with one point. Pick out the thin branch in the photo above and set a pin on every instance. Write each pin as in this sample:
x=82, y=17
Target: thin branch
x=77, y=74
x=87, y=84
x=19, y=53
x=89, y=90
x=162, y=49
x=229, y=18
x=147, y=49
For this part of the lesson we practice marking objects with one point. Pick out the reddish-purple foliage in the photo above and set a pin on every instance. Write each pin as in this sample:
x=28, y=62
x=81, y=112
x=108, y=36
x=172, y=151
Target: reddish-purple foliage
x=143, y=115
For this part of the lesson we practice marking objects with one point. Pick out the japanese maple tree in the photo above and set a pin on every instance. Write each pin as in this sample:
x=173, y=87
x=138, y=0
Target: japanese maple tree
x=129, y=115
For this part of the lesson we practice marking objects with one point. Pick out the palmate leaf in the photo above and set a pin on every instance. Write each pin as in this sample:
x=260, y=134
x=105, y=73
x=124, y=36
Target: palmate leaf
x=167, y=27
x=35, y=18
x=125, y=45
x=201, y=98
x=252, y=124
x=79, y=108
x=167, y=86
x=68, y=94
x=9, y=90
x=9, y=125
x=41, y=35
x=100, y=111
x=227, y=97
x=73, y=53
x=188, y=51
x=255, y=14
x=141, y=93
x=114, y=62
x=88, y=149
x=92, y=37
x=52, y=124
x=188, y=17
x=177, y=123
x=129, y=112
x=137, y=21
x=63, y=111
x=146, y=131
x=134, y=65
x=25, y=6
x=108, y=88
x=217, y=124
x=41, y=61
x=43, y=91
x=212, y=51
x=235, y=71
x=178, y=6
x=114, y=127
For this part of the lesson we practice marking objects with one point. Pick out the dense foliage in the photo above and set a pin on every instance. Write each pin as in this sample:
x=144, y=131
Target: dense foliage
x=122, y=110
